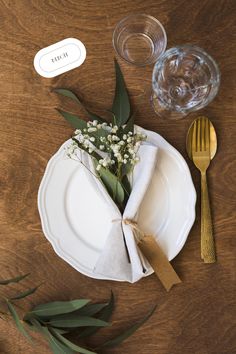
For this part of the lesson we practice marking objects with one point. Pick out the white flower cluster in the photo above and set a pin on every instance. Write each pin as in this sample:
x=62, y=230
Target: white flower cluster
x=114, y=147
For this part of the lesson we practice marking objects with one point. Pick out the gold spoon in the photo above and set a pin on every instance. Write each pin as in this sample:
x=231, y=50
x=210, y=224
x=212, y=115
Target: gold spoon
x=213, y=140
x=201, y=145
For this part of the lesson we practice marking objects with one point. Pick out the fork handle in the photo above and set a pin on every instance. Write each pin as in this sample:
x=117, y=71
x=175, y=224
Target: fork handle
x=207, y=240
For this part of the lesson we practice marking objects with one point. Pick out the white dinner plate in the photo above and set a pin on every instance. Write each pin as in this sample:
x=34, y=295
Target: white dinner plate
x=67, y=203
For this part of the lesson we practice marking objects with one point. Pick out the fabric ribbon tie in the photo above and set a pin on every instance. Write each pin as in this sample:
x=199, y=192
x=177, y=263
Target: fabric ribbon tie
x=155, y=256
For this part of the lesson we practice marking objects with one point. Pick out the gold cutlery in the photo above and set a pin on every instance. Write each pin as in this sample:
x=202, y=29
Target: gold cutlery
x=201, y=147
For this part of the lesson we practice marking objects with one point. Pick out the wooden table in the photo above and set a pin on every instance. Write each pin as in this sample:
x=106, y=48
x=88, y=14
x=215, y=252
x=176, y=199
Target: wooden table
x=197, y=316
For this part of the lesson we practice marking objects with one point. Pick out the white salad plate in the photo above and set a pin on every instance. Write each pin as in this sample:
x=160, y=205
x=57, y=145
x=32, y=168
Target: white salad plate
x=68, y=206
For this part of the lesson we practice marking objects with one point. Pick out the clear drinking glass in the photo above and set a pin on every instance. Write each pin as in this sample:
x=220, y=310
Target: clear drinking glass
x=139, y=39
x=184, y=79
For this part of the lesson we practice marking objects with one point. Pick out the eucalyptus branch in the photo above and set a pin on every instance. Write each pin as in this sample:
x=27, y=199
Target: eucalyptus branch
x=113, y=145
x=57, y=320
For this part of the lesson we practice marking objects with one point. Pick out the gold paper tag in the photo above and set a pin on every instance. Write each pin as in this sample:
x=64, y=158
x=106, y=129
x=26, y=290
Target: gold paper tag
x=158, y=261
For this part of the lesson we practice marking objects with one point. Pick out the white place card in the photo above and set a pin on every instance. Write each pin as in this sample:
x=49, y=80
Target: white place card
x=60, y=57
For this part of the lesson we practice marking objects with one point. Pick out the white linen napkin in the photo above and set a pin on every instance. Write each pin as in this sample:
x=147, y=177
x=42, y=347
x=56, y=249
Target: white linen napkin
x=121, y=258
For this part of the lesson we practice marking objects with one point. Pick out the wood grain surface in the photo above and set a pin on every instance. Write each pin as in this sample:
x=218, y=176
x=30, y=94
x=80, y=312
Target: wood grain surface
x=197, y=316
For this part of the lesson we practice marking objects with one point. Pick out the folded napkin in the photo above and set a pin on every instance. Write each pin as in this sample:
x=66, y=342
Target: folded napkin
x=121, y=257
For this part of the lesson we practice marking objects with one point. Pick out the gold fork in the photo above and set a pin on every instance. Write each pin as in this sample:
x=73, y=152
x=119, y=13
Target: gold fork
x=201, y=158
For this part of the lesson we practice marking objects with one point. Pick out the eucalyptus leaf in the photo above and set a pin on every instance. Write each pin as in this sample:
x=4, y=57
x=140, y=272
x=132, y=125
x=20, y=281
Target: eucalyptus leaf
x=67, y=93
x=25, y=293
x=129, y=127
x=126, y=169
x=120, y=338
x=77, y=321
x=112, y=184
x=126, y=183
x=30, y=326
x=56, y=308
x=62, y=331
x=14, y=280
x=69, y=344
x=74, y=120
x=56, y=346
x=91, y=309
x=17, y=320
x=113, y=117
x=108, y=310
x=104, y=315
x=66, y=316
x=73, y=96
x=37, y=325
x=121, y=104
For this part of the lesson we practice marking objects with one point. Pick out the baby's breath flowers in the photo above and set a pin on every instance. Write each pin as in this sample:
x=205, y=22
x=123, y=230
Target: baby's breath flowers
x=114, y=149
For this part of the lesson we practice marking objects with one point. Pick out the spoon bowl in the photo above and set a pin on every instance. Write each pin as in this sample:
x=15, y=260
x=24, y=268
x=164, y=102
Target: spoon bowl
x=213, y=139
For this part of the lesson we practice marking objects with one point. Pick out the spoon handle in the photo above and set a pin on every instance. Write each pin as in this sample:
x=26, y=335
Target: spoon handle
x=207, y=240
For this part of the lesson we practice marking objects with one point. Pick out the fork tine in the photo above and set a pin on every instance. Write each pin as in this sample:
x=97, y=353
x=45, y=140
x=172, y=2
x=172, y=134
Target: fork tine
x=207, y=135
x=194, y=137
x=198, y=135
x=203, y=130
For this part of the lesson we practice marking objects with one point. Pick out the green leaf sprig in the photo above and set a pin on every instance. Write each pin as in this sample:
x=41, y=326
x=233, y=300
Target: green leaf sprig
x=55, y=321
x=116, y=139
